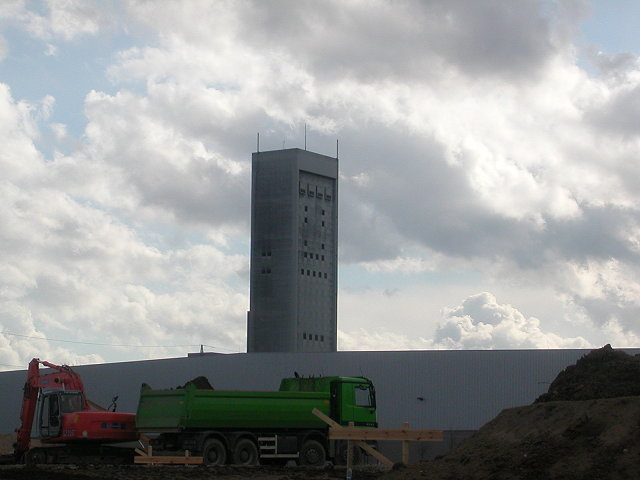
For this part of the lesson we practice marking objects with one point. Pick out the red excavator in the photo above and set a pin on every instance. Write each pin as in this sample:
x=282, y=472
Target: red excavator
x=64, y=416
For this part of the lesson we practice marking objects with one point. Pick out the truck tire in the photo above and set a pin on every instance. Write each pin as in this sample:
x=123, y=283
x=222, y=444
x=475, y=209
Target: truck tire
x=313, y=454
x=245, y=452
x=214, y=452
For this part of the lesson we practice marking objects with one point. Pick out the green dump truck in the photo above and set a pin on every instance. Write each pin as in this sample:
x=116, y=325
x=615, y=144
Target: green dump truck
x=248, y=427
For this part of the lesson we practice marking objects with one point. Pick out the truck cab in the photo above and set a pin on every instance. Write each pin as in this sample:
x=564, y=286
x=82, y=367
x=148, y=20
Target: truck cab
x=353, y=400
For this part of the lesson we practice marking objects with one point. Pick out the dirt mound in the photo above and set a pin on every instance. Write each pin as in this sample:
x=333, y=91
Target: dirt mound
x=590, y=439
x=603, y=373
x=201, y=383
x=586, y=427
x=6, y=443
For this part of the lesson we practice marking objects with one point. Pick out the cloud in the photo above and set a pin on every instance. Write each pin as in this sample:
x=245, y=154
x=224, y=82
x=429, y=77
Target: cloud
x=471, y=140
x=482, y=323
x=73, y=270
x=367, y=340
x=65, y=19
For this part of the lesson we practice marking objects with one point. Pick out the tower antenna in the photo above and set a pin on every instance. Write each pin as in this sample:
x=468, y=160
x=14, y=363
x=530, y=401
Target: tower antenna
x=258, y=146
x=305, y=135
x=336, y=148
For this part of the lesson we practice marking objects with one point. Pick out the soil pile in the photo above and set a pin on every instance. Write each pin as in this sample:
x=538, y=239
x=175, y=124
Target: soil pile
x=586, y=427
x=603, y=373
x=201, y=383
x=6, y=443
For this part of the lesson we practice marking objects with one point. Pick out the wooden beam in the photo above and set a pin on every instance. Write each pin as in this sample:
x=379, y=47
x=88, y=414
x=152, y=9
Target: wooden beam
x=326, y=419
x=343, y=433
x=366, y=447
x=177, y=460
x=405, y=446
x=374, y=453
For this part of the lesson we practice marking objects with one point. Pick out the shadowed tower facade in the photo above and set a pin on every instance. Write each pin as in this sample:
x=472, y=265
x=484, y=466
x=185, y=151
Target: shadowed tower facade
x=294, y=252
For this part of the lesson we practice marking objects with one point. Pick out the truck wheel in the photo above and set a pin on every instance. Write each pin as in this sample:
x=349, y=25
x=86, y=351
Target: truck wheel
x=214, y=452
x=312, y=453
x=245, y=453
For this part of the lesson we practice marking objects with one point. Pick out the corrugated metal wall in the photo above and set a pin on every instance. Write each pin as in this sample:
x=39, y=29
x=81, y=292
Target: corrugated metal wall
x=449, y=390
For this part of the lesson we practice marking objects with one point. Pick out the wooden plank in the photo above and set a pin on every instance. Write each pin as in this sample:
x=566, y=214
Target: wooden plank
x=328, y=420
x=142, y=453
x=405, y=446
x=374, y=453
x=177, y=460
x=366, y=447
x=350, y=456
x=343, y=433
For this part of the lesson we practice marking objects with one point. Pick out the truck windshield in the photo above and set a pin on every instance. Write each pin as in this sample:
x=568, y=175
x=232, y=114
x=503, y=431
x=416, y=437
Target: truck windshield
x=364, y=396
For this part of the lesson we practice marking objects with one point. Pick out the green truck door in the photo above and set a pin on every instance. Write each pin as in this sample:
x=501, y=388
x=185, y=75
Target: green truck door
x=353, y=402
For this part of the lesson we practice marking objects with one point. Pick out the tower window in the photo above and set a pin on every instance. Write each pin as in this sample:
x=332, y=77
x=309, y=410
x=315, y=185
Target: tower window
x=304, y=335
x=306, y=220
x=302, y=271
x=306, y=209
x=322, y=246
x=323, y=223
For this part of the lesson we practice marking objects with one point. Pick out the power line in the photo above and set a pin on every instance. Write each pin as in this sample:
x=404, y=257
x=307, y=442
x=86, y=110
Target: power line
x=7, y=365
x=109, y=344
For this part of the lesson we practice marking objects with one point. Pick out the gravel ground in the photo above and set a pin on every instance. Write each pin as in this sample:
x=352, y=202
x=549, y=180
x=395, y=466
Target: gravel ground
x=140, y=472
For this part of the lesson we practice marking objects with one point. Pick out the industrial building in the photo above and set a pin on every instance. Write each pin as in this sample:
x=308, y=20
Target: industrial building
x=455, y=391
x=294, y=252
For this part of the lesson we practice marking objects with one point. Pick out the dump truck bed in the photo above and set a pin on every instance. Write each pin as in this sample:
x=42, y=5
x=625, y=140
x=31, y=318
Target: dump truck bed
x=193, y=409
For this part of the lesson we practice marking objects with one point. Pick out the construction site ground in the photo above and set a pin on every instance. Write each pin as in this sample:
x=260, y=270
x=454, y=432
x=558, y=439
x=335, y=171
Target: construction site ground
x=586, y=427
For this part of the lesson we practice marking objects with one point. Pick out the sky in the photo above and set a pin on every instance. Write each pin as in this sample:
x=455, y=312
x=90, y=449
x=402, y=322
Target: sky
x=489, y=164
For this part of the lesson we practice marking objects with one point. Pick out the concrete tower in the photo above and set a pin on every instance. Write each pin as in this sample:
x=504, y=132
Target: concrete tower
x=294, y=252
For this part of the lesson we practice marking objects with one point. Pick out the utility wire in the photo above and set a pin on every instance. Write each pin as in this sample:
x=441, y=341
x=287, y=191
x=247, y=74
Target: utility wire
x=7, y=365
x=110, y=344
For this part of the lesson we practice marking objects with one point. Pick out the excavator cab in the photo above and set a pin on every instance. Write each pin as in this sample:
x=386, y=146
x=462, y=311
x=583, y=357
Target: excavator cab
x=52, y=406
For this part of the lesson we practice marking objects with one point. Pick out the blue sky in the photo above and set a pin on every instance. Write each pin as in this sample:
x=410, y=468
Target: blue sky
x=487, y=170
x=612, y=26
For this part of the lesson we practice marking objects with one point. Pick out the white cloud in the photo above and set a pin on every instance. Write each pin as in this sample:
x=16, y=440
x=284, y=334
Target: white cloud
x=367, y=340
x=471, y=140
x=74, y=270
x=59, y=130
x=482, y=323
x=51, y=50
x=65, y=19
